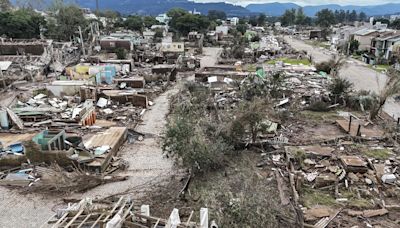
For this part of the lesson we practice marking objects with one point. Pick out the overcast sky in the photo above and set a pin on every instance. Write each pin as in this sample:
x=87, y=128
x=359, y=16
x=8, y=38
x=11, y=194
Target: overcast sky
x=307, y=2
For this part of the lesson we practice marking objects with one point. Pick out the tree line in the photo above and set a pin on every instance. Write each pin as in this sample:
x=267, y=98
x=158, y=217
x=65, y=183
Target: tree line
x=323, y=18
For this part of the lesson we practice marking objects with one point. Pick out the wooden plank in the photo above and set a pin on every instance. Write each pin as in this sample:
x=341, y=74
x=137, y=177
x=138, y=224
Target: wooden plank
x=74, y=218
x=84, y=220
x=190, y=218
x=18, y=122
x=284, y=199
x=155, y=225
x=60, y=221
x=97, y=220
x=113, y=210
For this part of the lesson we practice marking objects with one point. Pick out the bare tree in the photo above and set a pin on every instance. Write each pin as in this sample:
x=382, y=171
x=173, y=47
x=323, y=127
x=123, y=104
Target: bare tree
x=392, y=87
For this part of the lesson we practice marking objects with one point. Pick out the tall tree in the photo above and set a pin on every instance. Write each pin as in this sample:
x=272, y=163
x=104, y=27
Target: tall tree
x=353, y=16
x=325, y=18
x=67, y=20
x=23, y=24
x=216, y=14
x=362, y=16
x=395, y=24
x=261, y=20
x=134, y=23
x=253, y=20
x=149, y=21
x=300, y=17
x=289, y=17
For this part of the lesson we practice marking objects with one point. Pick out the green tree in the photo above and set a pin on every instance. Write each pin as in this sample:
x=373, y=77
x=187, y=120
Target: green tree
x=362, y=16
x=353, y=16
x=395, y=24
x=262, y=19
x=325, y=18
x=289, y=17
x=253, y=20
x=149, y=21
x=68, y=18
x=300, y=17
x=121, y=53
x=134, y=23
x=216, y=14
x=354, y=44
x=190, y=22
x=241, y=28
x=23, y=24
x=383, y=21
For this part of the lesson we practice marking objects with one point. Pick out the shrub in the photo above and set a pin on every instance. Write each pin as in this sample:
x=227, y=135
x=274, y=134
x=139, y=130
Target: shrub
x=324, y=66
x=121, y=53
x=318, y=106
x=340, y=87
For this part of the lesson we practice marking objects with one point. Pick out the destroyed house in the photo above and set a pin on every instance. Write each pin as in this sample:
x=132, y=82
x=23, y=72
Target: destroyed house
x=50, y=140
x=24, y=47
x=119, y=40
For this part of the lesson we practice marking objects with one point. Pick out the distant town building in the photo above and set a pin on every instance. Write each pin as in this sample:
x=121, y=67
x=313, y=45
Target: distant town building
x=394, y=17
x=222, y=29
x=163, y=18
x=194, y=12
x=233, y=20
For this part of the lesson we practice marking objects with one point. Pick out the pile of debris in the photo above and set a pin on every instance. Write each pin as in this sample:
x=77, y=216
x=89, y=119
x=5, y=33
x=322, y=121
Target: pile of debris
x=122, y=213
x=52, y=179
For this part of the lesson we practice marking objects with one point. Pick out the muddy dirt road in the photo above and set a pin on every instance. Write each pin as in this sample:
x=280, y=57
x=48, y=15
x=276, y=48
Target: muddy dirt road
x=355, y=71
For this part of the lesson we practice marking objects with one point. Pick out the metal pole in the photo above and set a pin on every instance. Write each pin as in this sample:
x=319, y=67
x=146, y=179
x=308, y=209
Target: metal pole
x=351, y=117
x=83, y=46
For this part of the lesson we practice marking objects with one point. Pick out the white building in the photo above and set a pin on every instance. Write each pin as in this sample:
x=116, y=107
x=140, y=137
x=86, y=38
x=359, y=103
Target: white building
x=394, y=17
x=194, y=12
x=163, y=18
x=233, y=20
x=222, y=29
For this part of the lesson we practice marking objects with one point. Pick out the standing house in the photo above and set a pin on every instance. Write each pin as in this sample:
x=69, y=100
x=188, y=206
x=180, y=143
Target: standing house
x=383, y=46
x=163, y=18
x=364, y=37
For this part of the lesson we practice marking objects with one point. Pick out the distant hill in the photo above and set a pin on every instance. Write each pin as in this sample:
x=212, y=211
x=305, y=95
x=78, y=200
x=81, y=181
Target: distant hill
x=277, y=9
x=155, y=7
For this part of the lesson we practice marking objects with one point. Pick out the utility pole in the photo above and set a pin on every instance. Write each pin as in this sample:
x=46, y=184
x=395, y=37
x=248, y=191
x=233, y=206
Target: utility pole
x=97, y=6
x=81, y=37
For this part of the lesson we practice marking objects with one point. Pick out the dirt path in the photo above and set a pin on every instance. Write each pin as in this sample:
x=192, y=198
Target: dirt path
x=355, y=71
x=147, y=166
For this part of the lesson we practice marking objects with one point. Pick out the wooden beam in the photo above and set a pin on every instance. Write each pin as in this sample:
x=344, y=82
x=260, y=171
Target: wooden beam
x=84, y=220
x=74, y=218
x=114, y=208
x=97, y=220
x=155, y=225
